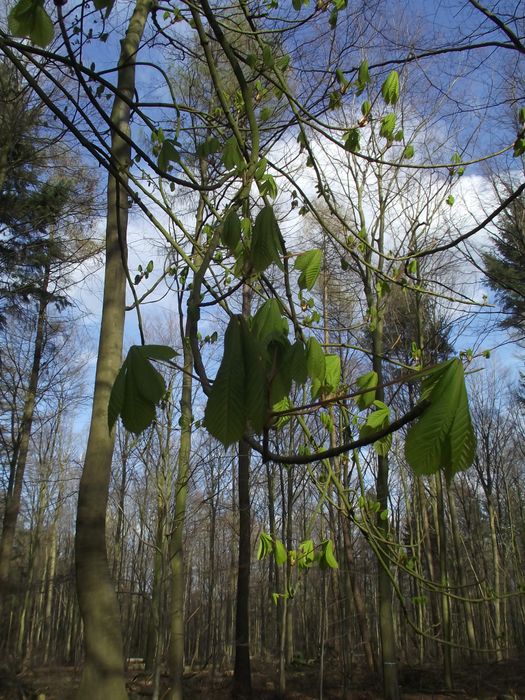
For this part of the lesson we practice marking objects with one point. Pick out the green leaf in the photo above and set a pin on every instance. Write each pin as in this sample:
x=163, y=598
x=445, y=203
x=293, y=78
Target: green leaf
x=29, y=18
x=366, y=108
x=238, y=399
x=352, y=141
x=268, y=323
x=168, y=153
x=157, y=352
x=388, y=125
x=390, y=88
x=298, y=362
x=363, y=77
x=521, y=115
x=267, y=186
x=310, y=265
x=306, y=555
x=315, y=360
x=138, y=387
x=408, y=153
x=225, y=414
x=280, y=553
x=443, y=438
x=366, y=381
x=231, y=154
x=332, y=377
x=450, y=200
x=519, y=147
x=265, y=546
x=266, y=241
x=327, y=559
x=231, y=231
x=208, y=147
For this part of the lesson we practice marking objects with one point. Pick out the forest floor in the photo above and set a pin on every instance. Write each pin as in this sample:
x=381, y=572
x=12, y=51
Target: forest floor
x=489, y=681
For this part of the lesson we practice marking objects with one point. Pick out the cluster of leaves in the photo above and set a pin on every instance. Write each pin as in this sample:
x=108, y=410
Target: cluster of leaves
x=304, y=557
x=258, y=368
x=138, y=388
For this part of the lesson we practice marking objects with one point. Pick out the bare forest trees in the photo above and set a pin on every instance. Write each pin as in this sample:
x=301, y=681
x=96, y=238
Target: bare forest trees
x=296, y=478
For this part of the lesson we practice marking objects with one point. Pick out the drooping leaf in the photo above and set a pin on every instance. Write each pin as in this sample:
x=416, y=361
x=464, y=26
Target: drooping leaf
x=256, y=399
x=315, y=360
x=168, y=153
x=138, y=387
x=266, y=241
x=265, y=546
x=29, y=18
x=327, y=558
x=225, y=414
x=208, y=147
x=231, y=154
x=366, y=381
x=231, y=231
x=408, y=152
x=306, y=556
x=298, y=362
x=268, y=323
x=375, y=421
x=238, y=400
x=390, y=88
x=443, y=438
x=363, y=77
x=388, y=125
x=309, y=263
x=332, y=377
x=352, y=141
x=280, y=553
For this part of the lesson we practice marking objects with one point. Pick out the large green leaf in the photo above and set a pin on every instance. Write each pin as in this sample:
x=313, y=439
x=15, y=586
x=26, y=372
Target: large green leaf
x=366, y=381
x=298, y=362
x=309, y=264
x=231, y=231
x=390, y=88
x=268, y=323
x=225, y=414
x=443, y=438
x=238, y=401
x=29, y=18
x=332, y=377
x=256, y=397
x=266, y=241
x=375, y=421
x=138, y=387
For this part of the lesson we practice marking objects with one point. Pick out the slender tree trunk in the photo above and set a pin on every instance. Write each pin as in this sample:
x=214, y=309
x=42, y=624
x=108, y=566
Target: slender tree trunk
x=19, y=458
x=242, y=678
x=103, y=675
x=446, y=621
x=242, y=675
x=176, y=648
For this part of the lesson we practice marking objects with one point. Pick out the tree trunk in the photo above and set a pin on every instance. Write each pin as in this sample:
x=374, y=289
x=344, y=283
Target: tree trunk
x=20, y=452
x=103, y=675
x=176, y=648
x=242, y=678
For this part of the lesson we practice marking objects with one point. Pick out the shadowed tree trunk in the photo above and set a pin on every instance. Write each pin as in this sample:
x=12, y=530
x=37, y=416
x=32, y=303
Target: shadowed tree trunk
x=103, y=675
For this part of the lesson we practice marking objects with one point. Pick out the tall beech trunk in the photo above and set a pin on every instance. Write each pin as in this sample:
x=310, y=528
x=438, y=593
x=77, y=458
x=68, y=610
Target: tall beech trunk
x=103, y=675
x=19, y=458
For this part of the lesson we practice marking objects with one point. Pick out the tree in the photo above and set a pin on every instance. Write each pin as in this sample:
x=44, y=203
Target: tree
x=505, y=268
